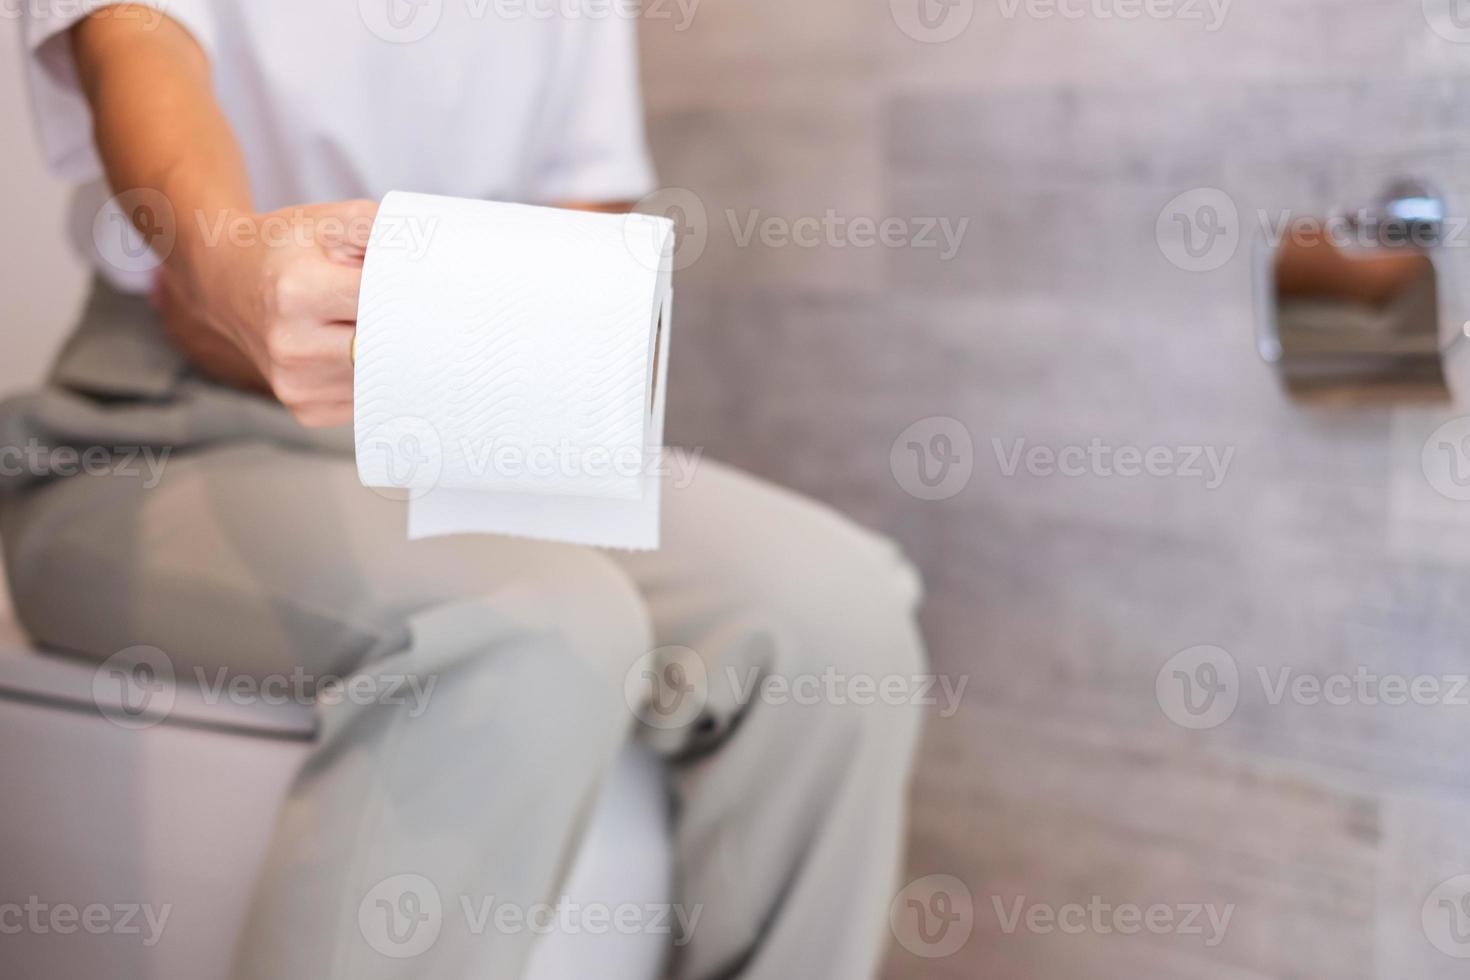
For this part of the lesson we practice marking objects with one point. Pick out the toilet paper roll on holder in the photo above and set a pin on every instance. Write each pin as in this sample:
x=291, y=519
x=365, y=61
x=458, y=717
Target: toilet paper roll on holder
x=1365, y=295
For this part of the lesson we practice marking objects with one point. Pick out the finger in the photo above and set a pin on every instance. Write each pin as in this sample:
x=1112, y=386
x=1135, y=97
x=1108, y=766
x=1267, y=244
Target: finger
x=324, y=350
x=337, y=344
x=336, y=292
x=324, y=415
x=311, y=362
x=346, y=229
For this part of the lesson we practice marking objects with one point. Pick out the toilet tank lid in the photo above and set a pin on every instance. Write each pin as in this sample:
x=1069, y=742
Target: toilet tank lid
x=42, y=677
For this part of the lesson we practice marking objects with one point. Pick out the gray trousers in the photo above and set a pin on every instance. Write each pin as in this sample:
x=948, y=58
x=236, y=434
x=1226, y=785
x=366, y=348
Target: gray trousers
x=254, y=549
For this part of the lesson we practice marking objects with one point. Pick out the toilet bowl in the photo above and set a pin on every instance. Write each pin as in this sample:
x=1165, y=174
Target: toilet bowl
x=130, y=852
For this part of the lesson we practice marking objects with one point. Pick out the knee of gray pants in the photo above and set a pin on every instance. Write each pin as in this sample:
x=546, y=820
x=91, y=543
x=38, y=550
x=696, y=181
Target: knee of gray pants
x=831, y=634
x=582, y=604
x=559, y=641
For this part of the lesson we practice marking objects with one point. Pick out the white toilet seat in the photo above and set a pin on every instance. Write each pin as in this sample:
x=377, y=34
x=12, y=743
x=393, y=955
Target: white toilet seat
x=48, y=678
x=178, y=815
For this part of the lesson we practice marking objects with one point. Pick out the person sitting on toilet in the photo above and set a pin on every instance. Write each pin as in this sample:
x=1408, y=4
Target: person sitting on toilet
x=242, y=143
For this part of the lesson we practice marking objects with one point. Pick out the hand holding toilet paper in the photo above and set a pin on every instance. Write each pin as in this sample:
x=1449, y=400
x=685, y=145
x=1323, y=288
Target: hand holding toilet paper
x=510, y=368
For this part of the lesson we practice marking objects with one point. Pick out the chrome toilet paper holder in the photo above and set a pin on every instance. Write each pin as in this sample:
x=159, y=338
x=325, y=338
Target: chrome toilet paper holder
x=1358, y=296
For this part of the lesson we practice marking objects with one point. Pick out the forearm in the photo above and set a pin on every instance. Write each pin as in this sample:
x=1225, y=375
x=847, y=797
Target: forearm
x=157, y=124
x=267, y=312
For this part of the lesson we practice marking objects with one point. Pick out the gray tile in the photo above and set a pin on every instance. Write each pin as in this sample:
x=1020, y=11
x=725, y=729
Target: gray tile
x=1265, y=40
x=1422, y=849
x=776, y=184
x=1179, y=826
x=1059, y=321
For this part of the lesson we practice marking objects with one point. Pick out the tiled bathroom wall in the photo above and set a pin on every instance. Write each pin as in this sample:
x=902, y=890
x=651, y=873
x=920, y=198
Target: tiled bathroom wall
x=1295, y=538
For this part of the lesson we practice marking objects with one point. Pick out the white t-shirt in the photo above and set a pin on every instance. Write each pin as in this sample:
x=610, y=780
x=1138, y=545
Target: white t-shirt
x=513, y=100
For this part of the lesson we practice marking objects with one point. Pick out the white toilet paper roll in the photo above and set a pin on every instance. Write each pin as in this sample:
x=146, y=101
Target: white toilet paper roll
x=510, y=368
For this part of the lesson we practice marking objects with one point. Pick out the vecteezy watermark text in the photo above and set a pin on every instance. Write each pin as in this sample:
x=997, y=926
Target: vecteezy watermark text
x=1201, y=687
x=403, y=915
x=301, y=687
x=408, y=21
x=1200, y=230
x=42, y=918
x=669, y=688
x=74, y=10
x=40, y=460
x=1101, y=917
x=1207, y=463
x=834, y=687
x=407, y=453
x=833, y=230
x=137, y=688
x=935, y=916
x=302, y=229
x=1211, y=13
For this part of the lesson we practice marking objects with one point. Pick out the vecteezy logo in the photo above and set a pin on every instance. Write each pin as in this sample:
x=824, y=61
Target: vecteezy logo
x=932, y=21
x=667, y=688
x=933, y=916
x=1446, y=917
x=134, y=232
x=134, y=688
x=1450, y=19
x=401, y=21
x=1199, y=230
x=1446, y=459
x=401, y=916
x=691, y=228
x=402, y=458
x=1199, y=687
x=933, y=458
